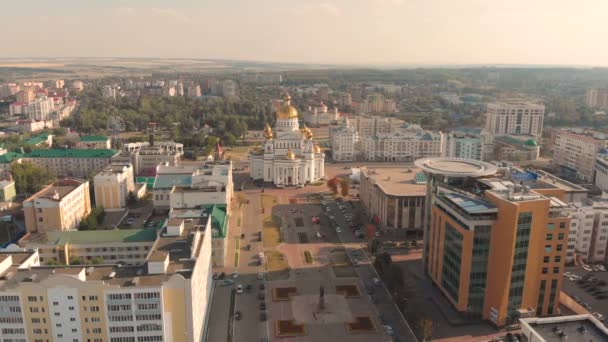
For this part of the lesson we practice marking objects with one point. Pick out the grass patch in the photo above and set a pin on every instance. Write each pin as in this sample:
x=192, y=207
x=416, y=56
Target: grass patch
x=236, y=152
x=268, y=201
x=308, y=257
x=272, y=231
x=277, y=267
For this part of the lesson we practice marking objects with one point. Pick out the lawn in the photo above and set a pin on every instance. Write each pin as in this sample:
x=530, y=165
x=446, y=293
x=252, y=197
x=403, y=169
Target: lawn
x=268, y=201
x=277, y=267
x=272, y=231
x=237, y=152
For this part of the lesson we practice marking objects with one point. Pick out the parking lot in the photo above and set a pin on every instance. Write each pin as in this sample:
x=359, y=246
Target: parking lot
x=590, y=289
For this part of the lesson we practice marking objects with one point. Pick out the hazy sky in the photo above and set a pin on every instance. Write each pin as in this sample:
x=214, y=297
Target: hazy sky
x=324, y=31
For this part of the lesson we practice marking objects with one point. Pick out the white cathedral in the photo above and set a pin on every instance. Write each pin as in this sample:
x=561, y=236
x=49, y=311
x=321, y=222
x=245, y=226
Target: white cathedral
x=288, y=157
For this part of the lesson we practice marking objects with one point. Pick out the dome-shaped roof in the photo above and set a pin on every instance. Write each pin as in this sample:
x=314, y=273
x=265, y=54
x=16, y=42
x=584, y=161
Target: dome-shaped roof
x=286, y=110
x=531, y=142
x=290, y=155
x=317, y=149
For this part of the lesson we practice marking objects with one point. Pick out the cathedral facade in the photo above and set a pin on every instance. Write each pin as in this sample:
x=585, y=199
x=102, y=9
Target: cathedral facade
x=289, y=156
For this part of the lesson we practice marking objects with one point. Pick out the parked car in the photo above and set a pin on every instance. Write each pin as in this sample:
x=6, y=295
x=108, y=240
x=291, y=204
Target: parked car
x=239, y=289
x=389, y=330
x=376, y=281
x=587, y=268
x=227, y=282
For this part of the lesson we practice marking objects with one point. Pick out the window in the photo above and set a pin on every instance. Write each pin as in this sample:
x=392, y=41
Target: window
x=560, y=236
x=545, y=270
x=551, y=226
x=558, y=258
x=562, y=225
x=559, y=248
x=546, y=259
x=549, y=237
x=555, y=270
x=548, y=248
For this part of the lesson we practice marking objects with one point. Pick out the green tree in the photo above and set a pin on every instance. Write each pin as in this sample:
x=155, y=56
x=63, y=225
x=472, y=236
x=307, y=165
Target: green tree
x=30, y=178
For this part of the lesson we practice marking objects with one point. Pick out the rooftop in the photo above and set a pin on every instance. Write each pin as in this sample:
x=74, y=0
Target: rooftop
x=92, y=236
x=38, y=139
x=575, y=328
x=455, y=167
x=397, y=181
x=91, y=138
x=9, y=157
x=57, y=190
x=71, y=153
x=168, y=181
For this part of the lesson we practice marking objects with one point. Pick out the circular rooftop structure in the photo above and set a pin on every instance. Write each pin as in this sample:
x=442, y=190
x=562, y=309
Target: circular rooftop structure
x=455, y=167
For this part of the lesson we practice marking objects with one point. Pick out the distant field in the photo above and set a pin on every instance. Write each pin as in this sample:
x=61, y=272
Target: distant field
x=31, y=65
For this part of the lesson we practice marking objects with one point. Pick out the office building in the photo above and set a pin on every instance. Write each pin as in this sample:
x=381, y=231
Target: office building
x=394, y=198
x=573, y=328
x=576, y=151
x=597, y=98
x=289, y=156
x=588, y=237
x=71, y=162
x=343, y=141
x=514, y=148
x=165, y=298
x=495, y=245
x=515, y=118
x=113, y=185
x=58, y=206
x=94, y=142
x=465, y=143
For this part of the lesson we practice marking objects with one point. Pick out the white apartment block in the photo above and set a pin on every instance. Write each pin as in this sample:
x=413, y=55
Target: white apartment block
x=515, y=118
x=589, y=231
x=112, y=186
x=343, y=141
x=597, y=98
x=369, y=126
x=601, y=172
x=576, y=151
x=407, y=144
x=40, y=109
x=467, y=144
x=321, y=115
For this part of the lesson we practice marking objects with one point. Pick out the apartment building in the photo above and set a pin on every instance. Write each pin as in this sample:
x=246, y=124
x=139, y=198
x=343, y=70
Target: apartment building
x=375, y=103
x=597, y=98
x=515, y=118
x=59, y=206
x=6, y=160
x=408, y=143
x=588, y=237
x=41, y=108
x=94, y=142
x=148, y=155
x=495, y=245
x=166, y=298
x=9, y=89
x=576, y=151
x=465, y=143
x=369, y=126
x=112, y=186
x=320, y=115
x=343, y=141
x=71, y=162
x=394, y=197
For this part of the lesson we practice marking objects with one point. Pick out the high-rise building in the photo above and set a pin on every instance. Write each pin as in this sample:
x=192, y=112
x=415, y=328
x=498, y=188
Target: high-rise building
x=597, y=98
x=194, y=91
x=343, y=141
x=113, y=185
x=515, y=117
x=588, y=239
x=356, y=92
x=27, y=95
x=41, y=108
x=577, y=149
x=8, y=89
x=59, y=206
x=495, y=245
x=345, y=99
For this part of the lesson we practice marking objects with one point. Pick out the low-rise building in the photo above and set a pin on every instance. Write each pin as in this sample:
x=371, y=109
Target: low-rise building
x=321, y=115
x=577, y=149
x=515, y=148
x=6, y=160
x=465, y=143
x=343, y=141
x=71, y=162
x=40, y=140
x=94, y=142
x=588, y=239
x=573, y=328
x=408, y=143
x=58, y=206
x=113, y=185
x=394, y=197
x=32, y=126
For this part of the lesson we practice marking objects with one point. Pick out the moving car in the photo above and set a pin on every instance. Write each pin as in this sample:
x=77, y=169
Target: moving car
x=376, y=281
x=389, y=330
x=239, y=289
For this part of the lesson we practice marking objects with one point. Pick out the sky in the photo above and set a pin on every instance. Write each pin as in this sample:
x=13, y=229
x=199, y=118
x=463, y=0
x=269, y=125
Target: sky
x=383, y=32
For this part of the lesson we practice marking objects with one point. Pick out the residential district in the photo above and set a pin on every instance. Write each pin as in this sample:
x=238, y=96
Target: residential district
x=338, y=215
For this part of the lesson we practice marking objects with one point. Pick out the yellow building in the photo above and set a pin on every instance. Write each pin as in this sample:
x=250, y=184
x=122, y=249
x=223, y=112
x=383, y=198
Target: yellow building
x=59, y=206
x=165, y=297
x=112, y=186
x=495, y=245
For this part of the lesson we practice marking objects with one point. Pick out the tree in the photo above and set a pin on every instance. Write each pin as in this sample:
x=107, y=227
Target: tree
x=30, y=178
x=92, y=221
x=344, y=186
x=332, y=184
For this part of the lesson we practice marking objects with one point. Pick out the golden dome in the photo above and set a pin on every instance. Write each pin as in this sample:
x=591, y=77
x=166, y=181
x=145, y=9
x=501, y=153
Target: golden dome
x=286, y=110
x=268, y=132
x=290, y=155
x=317, y=149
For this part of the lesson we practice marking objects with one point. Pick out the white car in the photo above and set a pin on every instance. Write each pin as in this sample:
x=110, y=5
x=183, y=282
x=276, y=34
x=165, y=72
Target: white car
x=338, y=230
x=389, y=330
x=260, y=276
x=332, y=217
x=567, y=274
x=239, y=289
x=601, y=268
x=376, y=281
x=235, y=275
x=587, y=268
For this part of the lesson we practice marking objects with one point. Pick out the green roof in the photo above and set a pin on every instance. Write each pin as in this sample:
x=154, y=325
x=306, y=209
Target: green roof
x=148, y=180
x=9, y=157
x=93, y=138
x=168, y=181
x=218, y=220
x=38, y=139
x=101, y=236
x=71, y=153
